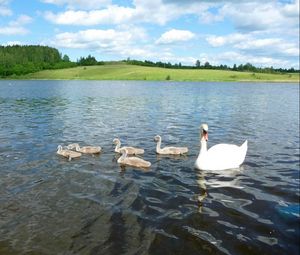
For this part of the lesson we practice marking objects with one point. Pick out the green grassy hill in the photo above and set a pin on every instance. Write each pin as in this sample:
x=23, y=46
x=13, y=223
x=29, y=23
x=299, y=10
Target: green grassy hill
x=122, y=71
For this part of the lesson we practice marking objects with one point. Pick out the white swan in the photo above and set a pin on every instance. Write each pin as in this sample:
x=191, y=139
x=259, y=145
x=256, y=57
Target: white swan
x=169, y=150
x=85, y=149
x=132, y=161
x=67, y=153
x=130, y=150
x=220, y=156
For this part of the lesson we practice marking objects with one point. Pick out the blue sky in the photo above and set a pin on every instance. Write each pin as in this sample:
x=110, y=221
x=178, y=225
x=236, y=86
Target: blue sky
x=264, y=33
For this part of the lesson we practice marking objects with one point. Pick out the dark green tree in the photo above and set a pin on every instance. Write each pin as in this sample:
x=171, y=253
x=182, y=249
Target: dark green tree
x=66, y=58
x=19, y=59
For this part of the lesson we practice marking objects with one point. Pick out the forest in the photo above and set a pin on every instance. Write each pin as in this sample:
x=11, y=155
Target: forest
x=20, y=60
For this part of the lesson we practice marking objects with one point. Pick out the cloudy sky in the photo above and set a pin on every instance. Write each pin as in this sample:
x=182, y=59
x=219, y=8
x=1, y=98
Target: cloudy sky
x=264, y=33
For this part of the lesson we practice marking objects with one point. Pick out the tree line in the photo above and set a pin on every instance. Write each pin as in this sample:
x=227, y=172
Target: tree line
x=248, y=67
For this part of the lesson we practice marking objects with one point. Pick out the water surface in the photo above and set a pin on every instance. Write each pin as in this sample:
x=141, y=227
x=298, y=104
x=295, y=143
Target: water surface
x=91, y=205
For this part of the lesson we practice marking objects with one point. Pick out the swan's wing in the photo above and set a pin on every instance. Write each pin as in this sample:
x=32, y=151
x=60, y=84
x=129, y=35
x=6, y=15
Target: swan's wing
x=223, y=147
x=226, y=155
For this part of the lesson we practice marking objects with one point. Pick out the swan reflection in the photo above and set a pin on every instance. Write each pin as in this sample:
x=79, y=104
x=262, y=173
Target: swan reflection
x=203, y=190
x=217, y=179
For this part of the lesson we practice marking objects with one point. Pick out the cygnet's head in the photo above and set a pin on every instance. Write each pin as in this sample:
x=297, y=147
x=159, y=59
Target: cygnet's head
x=116, y=141
x=157, y=138
x=72, y=146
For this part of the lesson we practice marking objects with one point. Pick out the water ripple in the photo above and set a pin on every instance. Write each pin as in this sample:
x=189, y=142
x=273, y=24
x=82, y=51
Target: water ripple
x=91, y=205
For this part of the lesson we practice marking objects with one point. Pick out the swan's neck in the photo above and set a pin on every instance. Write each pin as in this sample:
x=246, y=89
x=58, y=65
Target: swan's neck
x=203, y=148
x=202, y=153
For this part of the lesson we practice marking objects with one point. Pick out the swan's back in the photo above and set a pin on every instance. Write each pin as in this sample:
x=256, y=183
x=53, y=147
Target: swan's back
x=223, y=156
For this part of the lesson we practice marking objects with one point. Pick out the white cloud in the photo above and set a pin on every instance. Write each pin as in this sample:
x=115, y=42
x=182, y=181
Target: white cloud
x=270, y=46
x=16, y=27
x=11, y=43
x=21, y=21
x=4, y=10
x=208, y=17
x=153, y=11
x=13, y=31
x=112, y=15
x=260, y=46
x=291, y=10
x=103, y=40
x=80, y=4
x=122, y=42
x=238, y=58
x=267, y=16
x=217, y=41
x=253, y=16
x=174, y=36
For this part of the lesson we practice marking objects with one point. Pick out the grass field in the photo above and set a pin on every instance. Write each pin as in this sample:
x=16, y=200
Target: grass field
x=120, y=71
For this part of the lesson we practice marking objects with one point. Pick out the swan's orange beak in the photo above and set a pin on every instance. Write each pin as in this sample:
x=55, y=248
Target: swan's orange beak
x=206, y=136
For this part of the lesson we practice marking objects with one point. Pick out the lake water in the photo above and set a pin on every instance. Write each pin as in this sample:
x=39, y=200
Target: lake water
x=91, y=205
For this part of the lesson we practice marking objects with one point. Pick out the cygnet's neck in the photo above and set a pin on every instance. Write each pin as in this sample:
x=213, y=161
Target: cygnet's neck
x=118, y=145
x=123, y=156
x=158, y=145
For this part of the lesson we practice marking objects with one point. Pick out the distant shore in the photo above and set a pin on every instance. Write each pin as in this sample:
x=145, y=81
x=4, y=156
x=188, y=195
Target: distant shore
x=133, y=72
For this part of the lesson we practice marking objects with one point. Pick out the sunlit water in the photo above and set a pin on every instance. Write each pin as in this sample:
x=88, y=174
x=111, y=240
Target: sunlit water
x=91, y=205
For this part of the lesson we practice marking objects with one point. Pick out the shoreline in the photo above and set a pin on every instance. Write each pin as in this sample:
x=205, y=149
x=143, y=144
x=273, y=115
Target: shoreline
x=169, y=81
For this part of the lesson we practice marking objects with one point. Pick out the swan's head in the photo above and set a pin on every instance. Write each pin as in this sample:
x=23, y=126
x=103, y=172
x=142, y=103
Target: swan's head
x=116, y=141
x=157, y=138
x=204, y=132
x=59, y=148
